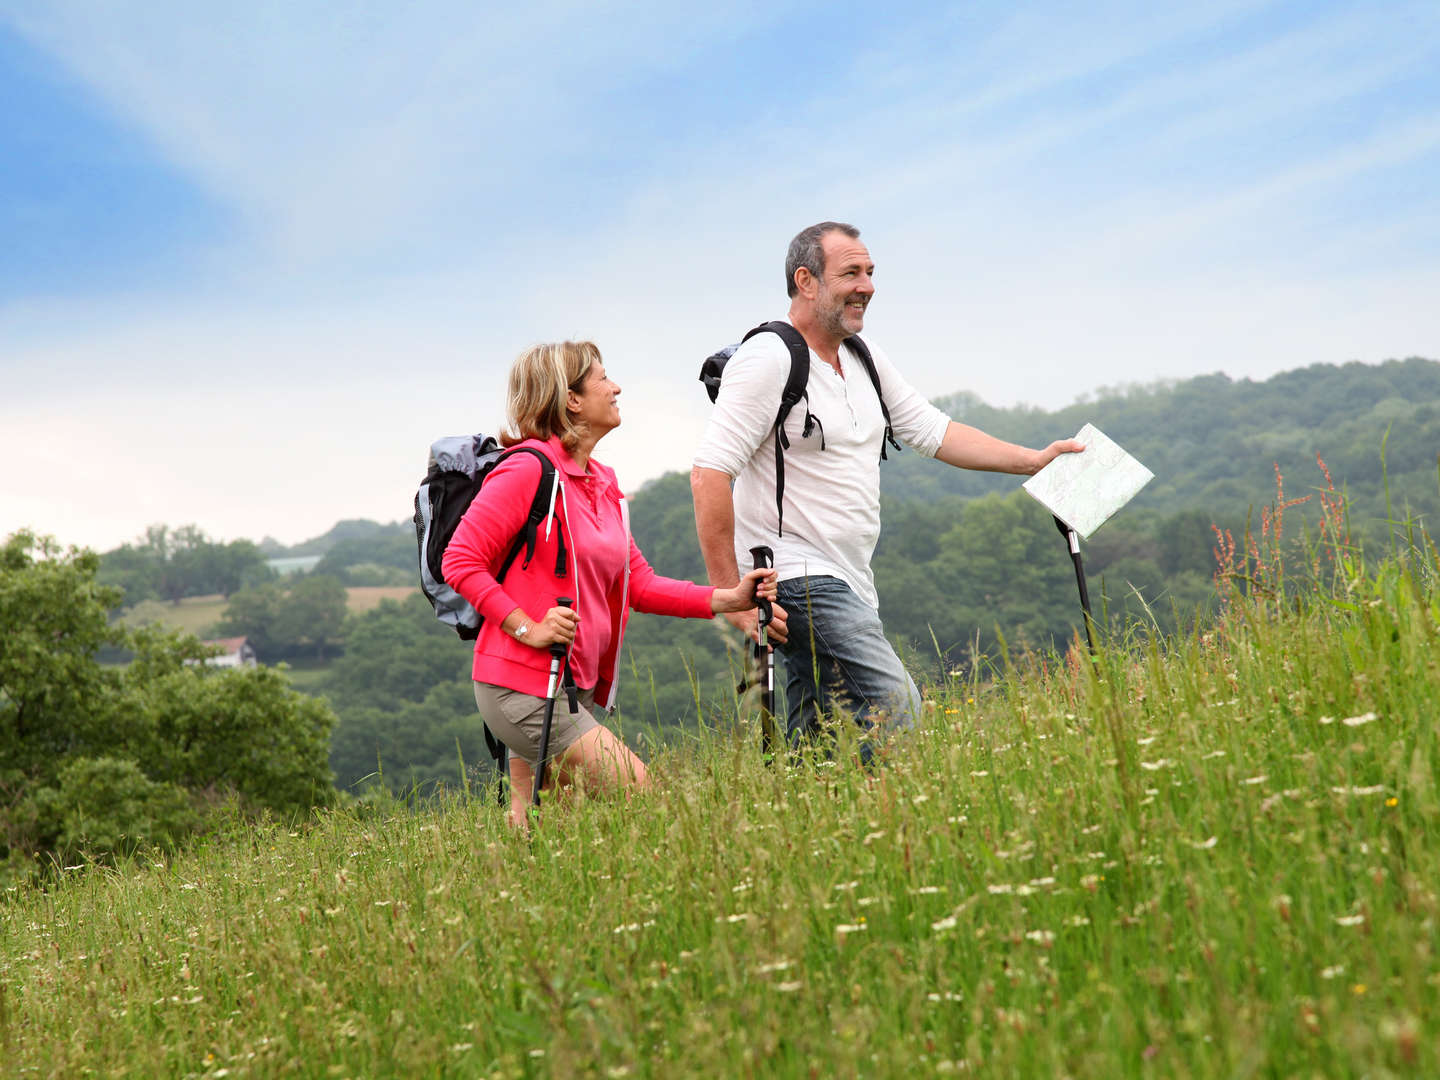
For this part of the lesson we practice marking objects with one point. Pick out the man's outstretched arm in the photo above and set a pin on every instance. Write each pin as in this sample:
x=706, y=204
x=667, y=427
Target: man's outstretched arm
x=967, y=447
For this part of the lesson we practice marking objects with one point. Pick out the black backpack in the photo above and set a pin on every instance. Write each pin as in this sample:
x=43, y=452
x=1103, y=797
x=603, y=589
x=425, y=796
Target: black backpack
x=713, y=369
x=458, y=466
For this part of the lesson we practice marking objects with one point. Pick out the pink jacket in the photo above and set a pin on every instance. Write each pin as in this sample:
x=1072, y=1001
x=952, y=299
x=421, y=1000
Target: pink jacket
x=484, y=536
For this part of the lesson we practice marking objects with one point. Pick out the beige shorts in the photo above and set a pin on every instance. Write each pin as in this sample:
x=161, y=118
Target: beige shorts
x=516, y=719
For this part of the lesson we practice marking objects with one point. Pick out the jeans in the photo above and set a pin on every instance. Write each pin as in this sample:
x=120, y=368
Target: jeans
x=837, y=654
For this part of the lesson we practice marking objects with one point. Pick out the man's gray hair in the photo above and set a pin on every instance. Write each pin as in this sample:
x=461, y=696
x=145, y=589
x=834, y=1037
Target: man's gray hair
x=805, y=250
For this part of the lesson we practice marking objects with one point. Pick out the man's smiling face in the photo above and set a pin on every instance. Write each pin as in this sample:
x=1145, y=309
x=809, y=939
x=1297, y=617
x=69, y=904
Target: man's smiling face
x=846, y=285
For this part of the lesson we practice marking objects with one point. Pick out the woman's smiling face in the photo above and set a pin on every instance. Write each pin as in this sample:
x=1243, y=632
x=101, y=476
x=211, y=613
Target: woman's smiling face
x=595, y=402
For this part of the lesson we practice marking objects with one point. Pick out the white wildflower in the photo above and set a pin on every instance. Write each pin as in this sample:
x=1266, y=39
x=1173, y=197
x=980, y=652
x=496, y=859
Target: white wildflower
x=1360, y=721
x=1204, y=845
x=947, y=923
x=1349, y=920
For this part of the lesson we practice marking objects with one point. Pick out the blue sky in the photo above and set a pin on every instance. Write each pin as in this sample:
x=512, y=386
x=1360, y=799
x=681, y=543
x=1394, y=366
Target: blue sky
x=256, y=256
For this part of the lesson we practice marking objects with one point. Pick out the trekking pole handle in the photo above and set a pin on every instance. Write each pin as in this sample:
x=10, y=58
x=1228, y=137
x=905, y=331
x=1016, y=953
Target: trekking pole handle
x=559, y=648
x=764, y=560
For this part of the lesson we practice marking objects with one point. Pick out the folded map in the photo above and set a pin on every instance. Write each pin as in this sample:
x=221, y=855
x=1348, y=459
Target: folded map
x=1084, y=490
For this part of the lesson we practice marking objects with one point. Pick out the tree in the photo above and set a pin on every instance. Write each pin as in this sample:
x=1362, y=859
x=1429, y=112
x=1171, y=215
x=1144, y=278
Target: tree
x=403, y=695
x=103, y=760
x=174, y=564
x=312, y=613
x=255, y=613
x=55, y=619
x=396, y=652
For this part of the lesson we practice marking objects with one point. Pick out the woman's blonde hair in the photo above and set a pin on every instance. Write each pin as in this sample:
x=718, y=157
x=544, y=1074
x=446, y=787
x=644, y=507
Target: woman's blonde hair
x=539, y=381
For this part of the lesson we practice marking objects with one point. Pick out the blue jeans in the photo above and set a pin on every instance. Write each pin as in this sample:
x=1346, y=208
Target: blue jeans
x=837, y=654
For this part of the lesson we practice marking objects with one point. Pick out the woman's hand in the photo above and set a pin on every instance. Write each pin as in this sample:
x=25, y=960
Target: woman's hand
x=559, y=624
x=754, y=586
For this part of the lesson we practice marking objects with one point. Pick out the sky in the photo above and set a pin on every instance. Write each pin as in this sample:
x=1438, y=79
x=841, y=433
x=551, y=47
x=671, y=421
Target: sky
x=255, y=257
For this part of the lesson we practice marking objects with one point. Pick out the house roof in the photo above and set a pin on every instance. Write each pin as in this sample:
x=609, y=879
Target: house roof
x=228, y=644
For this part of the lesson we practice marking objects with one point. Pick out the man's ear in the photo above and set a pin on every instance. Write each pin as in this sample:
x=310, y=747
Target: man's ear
x=804, y=280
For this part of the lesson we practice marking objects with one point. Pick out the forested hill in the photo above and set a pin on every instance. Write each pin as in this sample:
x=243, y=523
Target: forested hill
x=1212, y=442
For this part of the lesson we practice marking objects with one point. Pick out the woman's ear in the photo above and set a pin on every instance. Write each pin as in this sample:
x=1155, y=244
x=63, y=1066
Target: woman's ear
x=572, y=401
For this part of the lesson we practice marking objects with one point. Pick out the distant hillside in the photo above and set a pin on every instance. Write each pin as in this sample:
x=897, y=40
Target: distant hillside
x=354, y=529
x=1212, y=442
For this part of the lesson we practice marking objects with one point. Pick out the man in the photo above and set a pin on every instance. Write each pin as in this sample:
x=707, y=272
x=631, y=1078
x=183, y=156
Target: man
x=827, y=621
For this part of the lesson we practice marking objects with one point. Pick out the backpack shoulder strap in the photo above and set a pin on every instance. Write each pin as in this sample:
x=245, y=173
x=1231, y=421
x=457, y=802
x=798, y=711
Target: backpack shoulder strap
x=541, y=507
x=860, y=349
x=799, y=360
x=794, y=391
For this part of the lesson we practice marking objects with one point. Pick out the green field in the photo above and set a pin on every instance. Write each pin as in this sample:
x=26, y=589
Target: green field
x=199, y=614
x=1214, y=857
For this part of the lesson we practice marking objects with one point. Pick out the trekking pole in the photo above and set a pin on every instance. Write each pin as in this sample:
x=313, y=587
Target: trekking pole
x=1072, y=541
x=765, y=658
x=557, y=659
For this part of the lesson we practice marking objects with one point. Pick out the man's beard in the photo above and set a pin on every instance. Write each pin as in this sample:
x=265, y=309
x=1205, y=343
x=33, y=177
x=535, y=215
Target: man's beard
x=832, y=319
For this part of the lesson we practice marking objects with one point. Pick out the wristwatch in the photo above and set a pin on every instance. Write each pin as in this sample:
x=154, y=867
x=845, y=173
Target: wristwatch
x=521, y=631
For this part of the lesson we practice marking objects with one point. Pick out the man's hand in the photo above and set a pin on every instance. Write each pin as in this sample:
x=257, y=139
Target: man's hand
x=748, y=622
x=1055, y=449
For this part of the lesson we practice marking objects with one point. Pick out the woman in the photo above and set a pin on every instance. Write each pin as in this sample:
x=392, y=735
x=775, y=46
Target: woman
x=561, y=403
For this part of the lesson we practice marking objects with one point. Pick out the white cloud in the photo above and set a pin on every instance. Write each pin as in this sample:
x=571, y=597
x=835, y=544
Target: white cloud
x=1040, y=193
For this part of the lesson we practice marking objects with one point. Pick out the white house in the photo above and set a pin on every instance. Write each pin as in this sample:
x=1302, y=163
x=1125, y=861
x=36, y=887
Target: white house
x=234, y=652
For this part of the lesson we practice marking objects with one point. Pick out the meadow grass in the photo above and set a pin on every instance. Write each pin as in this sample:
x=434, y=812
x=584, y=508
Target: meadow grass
x=1210, y=856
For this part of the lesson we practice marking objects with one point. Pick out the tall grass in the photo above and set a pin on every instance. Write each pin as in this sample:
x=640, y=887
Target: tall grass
x=1207, y=856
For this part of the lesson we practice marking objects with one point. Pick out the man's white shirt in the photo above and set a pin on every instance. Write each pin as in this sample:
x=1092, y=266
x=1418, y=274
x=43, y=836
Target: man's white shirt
x=832, y=496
